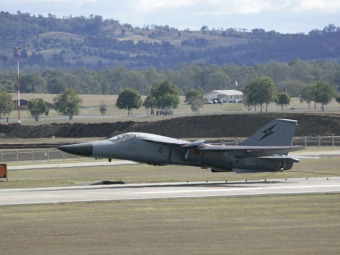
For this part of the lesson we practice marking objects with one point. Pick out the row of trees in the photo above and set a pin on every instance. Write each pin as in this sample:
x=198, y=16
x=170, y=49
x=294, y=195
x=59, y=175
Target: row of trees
x=164, y=97
x=292, y=77
x=259, y=92
x=67, y=104
x=319, y=92
x=262, y=91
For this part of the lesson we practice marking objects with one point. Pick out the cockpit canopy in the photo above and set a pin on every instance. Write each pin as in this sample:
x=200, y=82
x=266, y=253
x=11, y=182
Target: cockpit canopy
x=123, y=137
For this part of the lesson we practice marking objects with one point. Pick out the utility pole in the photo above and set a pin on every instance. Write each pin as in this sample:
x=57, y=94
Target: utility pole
x=18, y=89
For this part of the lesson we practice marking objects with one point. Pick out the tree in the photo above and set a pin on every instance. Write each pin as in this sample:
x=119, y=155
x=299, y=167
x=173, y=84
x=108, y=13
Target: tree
x=338, y=98
x=8, y=85
x=293, y=87
x=6, y=104
x=217, y=80
x=149, y=103
x=129, y=99
x=37, y=107
x=323, y=93
x=68, y=103
x=163, y=95
x=260, y=91
x=195, y=99
x=56, y=85
x=33, y=83
x=282, y=99
x=102, y=108
x=307, y=95
x=204, y=28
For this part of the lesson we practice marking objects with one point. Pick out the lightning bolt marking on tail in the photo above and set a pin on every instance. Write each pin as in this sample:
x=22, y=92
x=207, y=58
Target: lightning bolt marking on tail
x=269, y=131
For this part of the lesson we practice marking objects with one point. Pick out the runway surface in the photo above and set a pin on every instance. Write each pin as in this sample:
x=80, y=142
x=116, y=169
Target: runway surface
x=92, y=163
x=168, y=190
x=70, y=165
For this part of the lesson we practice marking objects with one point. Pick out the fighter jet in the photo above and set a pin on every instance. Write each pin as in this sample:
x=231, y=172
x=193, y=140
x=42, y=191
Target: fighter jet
x=265, y=151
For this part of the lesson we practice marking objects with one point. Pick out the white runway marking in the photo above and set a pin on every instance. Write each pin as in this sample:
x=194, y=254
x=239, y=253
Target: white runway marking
x=168, y=190
x=243, y=189
x=71, y=165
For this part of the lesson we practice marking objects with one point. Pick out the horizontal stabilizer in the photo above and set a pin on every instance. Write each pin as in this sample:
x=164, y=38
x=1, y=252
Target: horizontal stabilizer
x=282, y=158
x=207, y=147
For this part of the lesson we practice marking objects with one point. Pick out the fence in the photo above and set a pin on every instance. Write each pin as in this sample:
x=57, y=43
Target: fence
x=52, y=154
x=35, y=155
x=317, y=141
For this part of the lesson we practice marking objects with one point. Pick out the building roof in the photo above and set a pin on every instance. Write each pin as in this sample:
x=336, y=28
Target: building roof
x=229, y=92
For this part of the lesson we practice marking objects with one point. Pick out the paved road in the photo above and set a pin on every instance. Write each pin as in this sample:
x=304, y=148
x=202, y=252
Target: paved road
x=168, y=190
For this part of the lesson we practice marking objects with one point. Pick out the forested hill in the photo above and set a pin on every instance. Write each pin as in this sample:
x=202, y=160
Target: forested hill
x=95, y=43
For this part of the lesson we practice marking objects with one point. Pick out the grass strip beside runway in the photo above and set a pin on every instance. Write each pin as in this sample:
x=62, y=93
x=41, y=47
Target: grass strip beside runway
x=307, y=168
x=307, y=224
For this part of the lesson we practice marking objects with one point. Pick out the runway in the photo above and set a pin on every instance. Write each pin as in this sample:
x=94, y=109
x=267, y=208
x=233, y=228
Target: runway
x=93, y=163
x=168, y=190
x=71, y=165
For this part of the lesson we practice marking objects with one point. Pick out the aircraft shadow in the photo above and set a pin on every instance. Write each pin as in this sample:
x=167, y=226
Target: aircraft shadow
x=188, y=184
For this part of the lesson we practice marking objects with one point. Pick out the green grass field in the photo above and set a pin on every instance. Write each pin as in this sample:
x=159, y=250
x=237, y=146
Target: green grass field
x=325, y=166
x=301, y=224
x=240, y=225
x=90, y=110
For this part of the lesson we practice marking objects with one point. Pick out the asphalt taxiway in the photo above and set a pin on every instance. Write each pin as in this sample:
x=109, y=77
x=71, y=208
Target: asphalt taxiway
x=92, y=193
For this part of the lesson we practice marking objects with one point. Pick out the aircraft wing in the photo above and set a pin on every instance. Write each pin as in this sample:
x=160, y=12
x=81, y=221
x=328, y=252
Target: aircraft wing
x=209, y=147
x=193, y=144
x=200, y=145
x=168, y=140
x=174, y=143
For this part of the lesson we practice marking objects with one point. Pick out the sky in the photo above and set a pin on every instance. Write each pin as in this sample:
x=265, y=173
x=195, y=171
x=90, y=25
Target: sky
x=284, y=16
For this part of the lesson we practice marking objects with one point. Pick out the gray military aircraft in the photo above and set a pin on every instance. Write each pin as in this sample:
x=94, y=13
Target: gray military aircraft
x=265, y=151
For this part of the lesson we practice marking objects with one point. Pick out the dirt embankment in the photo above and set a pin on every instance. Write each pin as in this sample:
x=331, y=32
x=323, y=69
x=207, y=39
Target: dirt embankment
x=207, y=126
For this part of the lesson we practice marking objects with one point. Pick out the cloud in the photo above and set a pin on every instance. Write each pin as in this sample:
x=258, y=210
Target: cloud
x=279, y=15
x=32, y=2
x=257, y=6
x=215, y=7
x=219, y=7
x=328, y=6
x=223, y=7
x=212, y=7
x=149, y=6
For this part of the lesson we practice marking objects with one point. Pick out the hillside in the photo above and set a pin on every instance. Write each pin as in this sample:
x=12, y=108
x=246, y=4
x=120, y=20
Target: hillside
x=96, y=43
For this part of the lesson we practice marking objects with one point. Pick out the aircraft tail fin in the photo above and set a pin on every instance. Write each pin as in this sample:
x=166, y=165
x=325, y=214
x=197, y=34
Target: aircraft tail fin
x=278, y=132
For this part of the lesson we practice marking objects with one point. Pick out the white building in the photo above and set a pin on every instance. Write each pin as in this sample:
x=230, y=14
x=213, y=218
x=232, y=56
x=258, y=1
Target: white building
x=228, y=96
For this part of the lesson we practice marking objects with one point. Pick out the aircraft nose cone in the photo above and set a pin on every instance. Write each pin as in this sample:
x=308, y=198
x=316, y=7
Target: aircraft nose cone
x=81, y=149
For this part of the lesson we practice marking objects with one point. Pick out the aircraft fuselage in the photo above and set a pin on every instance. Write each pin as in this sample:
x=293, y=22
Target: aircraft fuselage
x=139, y=150
x=266, y=150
